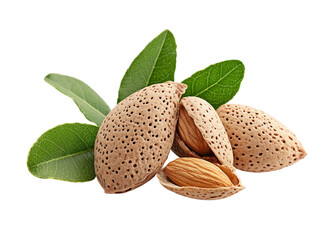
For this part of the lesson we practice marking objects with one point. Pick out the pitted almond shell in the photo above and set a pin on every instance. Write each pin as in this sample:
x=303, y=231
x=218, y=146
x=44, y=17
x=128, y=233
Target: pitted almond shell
x=135, y=138
x=260, y=142
x=204, y=193
x=211, y=128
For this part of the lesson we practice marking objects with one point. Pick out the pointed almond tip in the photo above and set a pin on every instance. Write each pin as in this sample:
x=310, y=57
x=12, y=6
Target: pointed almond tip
x=180, y=88
x=303, y=153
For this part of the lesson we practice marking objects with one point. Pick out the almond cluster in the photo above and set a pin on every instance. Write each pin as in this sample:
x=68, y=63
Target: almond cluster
x=136, y=137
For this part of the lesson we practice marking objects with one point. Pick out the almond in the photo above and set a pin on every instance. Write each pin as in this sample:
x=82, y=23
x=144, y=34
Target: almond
x=260, y=142
x=196, y=172
x=190, y=134
x=200, y=133
x=199, y=179
x=135, y=138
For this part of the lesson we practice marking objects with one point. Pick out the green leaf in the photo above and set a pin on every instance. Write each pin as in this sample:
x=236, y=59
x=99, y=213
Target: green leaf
x=65, y=152
x=89, y=102
x=216, y=84
x=155, y=64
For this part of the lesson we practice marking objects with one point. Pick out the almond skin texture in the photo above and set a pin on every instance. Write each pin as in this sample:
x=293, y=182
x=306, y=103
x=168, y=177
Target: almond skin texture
x=198, y=113
x=221, y=179
x=260, y=142
x=196, y=172
x=135, y=138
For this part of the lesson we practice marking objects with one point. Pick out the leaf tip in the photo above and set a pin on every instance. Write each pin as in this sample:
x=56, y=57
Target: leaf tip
x=48, y=76
x=239, y=62
x=167, y=33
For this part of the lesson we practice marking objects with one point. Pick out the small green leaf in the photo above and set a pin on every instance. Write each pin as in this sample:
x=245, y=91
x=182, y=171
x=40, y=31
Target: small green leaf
x=155, y=64
x=65, y=152
x=216, y=84
x=89, y=102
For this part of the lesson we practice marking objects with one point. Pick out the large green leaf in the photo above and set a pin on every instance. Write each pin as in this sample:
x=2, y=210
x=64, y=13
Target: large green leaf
x=218, y=83
x=155, y=64
x=89, y=102
x=65, y=152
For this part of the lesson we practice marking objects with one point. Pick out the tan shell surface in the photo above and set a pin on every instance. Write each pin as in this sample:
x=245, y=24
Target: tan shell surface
x=260, y=143
x=212, y=129
x=135, y=138
x=204, y=193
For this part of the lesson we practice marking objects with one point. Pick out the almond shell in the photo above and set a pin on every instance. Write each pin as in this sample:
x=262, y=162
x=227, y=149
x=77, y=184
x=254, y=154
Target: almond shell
x=212, y=129
x=204, y=193
x=135, y=138
x=260, y=142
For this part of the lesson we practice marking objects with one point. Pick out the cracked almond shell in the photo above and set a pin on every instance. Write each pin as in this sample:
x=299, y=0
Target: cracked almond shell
x=135, y=138
x=260, y=142
x=212, y=129
x=200, y=192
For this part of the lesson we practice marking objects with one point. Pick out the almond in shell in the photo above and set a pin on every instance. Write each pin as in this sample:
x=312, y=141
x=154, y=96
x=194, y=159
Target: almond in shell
x=260, y=142
x=135, y=138
x=200, y=133
x=199, y=179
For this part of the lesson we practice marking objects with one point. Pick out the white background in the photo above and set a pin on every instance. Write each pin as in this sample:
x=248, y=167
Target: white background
x=96, y=41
